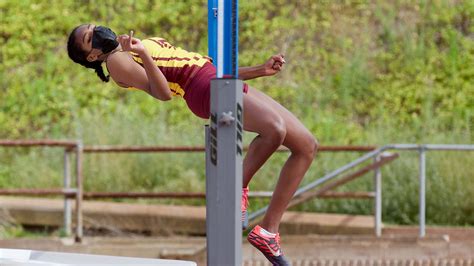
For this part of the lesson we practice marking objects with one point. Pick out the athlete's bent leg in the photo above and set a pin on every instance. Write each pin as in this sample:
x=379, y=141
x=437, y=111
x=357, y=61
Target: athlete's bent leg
x=303, y=146
x=261, y=118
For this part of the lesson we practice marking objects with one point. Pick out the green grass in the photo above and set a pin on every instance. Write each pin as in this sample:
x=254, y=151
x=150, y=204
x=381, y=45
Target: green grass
x=449, y=181
x=10, y=231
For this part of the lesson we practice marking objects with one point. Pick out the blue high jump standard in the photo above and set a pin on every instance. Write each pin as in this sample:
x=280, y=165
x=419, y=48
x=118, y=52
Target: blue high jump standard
x=224, y=138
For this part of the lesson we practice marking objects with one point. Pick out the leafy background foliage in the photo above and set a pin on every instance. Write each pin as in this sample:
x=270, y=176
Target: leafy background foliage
x=358, y=72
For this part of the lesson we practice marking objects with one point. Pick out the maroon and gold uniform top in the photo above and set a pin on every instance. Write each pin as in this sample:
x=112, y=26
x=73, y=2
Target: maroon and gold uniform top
x=177, y=65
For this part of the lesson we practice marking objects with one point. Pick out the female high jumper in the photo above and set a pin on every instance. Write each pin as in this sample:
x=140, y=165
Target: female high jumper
x=162, y=70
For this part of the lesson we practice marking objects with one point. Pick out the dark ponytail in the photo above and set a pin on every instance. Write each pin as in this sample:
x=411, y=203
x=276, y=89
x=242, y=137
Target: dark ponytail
x=78, y=55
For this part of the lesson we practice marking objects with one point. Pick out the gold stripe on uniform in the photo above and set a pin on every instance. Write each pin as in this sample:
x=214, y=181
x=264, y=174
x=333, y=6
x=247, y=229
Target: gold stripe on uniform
x=166, y=55
x=176, y=89
x=173, y=61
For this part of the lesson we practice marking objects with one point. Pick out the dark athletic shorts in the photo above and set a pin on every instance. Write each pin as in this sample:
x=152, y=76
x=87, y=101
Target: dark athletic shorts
x=198, y=92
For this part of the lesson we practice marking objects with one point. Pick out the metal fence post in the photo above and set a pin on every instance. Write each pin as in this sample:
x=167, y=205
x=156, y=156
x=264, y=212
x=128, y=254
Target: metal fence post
x=378, y=198
x=79, y=153
x=422, y=176
x=325, y=178
x=67, y=185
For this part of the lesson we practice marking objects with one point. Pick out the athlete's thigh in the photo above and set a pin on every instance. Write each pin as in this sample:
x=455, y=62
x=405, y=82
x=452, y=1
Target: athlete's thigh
x=259, y=115
x=296, y=132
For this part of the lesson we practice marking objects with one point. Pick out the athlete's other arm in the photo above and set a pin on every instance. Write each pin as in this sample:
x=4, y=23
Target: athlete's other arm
x=127, y=73
x=271, y=67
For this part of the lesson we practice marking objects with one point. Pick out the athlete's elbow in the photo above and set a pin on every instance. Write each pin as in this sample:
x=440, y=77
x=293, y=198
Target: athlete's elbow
x=162, y=95
x=166, y=97
x=166, y=94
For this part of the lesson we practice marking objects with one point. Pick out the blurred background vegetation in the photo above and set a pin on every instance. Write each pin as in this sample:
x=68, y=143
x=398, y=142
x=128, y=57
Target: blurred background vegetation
x=358, y=73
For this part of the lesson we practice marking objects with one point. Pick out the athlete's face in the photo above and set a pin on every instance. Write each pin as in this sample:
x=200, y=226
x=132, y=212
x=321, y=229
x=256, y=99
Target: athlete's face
x=84, y=38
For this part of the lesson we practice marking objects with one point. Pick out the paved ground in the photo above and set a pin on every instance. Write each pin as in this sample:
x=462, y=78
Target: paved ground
x=328, y=249
x=389, y=250
x=369, y=262
x=341, y=240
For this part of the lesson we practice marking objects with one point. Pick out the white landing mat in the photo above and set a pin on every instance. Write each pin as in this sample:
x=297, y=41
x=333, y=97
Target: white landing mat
x=21, y=257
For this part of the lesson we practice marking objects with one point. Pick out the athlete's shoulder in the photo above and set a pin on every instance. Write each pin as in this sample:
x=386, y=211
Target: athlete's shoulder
x=118, y=64
x=117, y=58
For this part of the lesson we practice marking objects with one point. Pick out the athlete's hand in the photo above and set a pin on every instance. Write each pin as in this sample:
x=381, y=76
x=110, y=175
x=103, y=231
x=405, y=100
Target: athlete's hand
x=129, y=43
x=274, y=64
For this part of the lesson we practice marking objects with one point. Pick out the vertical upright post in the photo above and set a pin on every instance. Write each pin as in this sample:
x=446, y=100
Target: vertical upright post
x=378, y=198
x=224, y=174
x=79, y=153
x=227, y=39
x=212, y=30
x=422, y=176
x=224, y=143
x=67, y=201
x=230, y=43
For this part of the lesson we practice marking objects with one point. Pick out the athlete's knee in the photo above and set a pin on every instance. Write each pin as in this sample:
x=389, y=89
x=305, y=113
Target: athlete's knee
x=276, y=131
x=308, y=146
x=313, y=144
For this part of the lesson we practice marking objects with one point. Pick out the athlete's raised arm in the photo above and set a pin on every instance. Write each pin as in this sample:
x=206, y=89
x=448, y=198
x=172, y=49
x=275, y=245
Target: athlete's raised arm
x=273, y=65
x=127, y=73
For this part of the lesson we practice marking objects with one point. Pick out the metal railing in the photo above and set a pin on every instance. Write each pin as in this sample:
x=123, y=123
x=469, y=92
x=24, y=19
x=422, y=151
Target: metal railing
x=69, y=147
x=79, y=195
x=76, y=147
x=376, y=155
